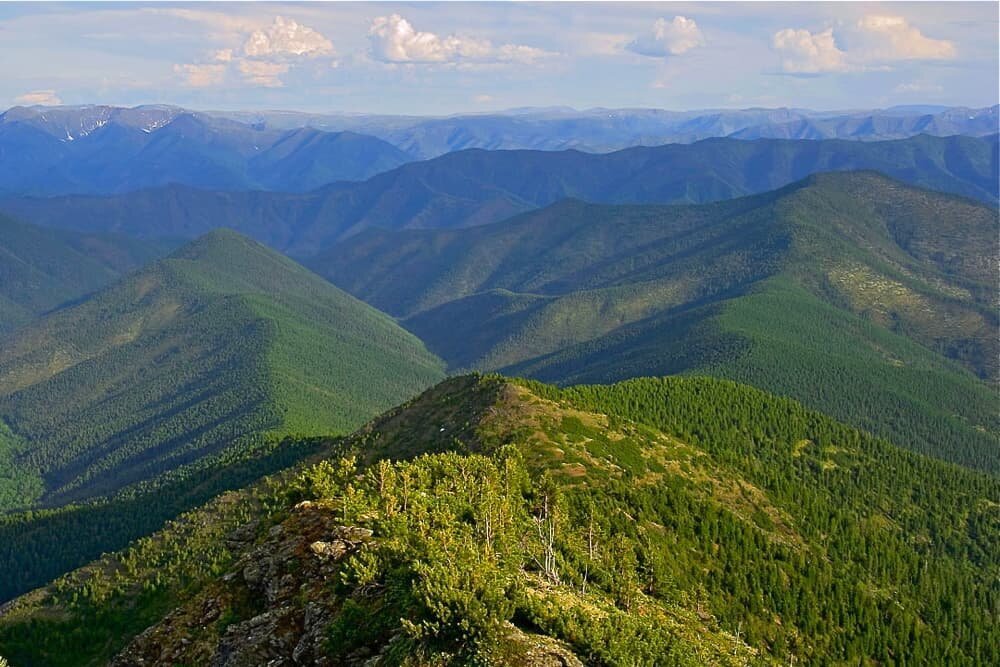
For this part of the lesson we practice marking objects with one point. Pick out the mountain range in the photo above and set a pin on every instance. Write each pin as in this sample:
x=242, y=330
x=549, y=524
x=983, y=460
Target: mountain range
x=224, y=345
x=536, y=387
x=846, y=291
x=476, y=187
x=603, y=130
x=103, y=150
x=94, y=149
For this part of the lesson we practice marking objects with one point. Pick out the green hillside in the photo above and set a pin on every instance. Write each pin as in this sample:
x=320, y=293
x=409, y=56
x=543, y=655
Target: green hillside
x=675, y=521
x=222, y=345
x=41, y=268
x=865, y=298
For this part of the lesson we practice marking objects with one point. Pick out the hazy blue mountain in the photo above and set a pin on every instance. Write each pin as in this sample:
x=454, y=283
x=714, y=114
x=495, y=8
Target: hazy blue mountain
x=603, y=130
x=104, y=150
x=474, y=187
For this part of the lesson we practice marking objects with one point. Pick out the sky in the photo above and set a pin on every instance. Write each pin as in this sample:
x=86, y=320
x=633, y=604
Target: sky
x=431, y=58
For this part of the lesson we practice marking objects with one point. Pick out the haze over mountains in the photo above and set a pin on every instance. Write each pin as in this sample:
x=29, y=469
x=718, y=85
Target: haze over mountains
x=104, y=150
x=477, y=187
x=605, y=130
x=107, y=149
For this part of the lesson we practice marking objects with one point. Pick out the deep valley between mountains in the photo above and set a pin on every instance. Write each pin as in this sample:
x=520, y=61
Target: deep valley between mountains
x=517, y=389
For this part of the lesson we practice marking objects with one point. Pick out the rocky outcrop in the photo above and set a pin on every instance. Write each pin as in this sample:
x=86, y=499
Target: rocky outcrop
x=271, y=609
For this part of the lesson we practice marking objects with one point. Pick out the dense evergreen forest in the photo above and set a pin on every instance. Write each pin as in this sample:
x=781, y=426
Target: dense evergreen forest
x=224, y=345
x=863, y=298
x=740, y=402
x=655, y=521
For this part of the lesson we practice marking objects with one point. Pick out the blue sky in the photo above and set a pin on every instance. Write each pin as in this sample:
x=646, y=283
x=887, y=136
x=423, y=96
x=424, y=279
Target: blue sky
x=439, y=58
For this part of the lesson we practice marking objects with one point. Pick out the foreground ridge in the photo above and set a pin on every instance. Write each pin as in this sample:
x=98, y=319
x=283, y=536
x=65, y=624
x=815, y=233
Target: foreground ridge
x=655, y=521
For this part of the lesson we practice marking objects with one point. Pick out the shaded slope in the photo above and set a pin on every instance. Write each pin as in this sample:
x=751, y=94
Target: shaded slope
x=43, y=268
x=222, y=344
x=576, y=292
x=693, y=521
x=476, y=187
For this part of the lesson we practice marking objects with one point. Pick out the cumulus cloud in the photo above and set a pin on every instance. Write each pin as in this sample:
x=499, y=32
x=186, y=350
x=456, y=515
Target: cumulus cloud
x=44, y=97
x=803, y=52
x=266, y=54
x=871, y=43
x=286, y=37
x=893, y=38
x=395, y=40
x=668, y=38
x=262, y=73
x=201, y=76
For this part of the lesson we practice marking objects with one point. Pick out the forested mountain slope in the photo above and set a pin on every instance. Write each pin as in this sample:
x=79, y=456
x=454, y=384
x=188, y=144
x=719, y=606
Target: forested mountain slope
x=847, y=291
x=476, y=187
x=42, y=268
x=223, y=344
x=676, y=521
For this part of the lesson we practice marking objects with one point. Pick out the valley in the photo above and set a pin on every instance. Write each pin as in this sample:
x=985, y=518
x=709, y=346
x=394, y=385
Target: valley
x=499, y=335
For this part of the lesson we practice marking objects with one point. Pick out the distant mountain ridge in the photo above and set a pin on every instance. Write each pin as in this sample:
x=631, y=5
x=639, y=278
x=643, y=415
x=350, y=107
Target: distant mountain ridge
x=475, y=187
x=605, y=130
x=100, y=149
x=105, y=150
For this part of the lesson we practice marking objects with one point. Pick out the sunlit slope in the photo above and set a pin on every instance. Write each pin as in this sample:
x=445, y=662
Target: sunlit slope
x=677, y=521
x=884, y=291
x=223, y=344
x=41, y=268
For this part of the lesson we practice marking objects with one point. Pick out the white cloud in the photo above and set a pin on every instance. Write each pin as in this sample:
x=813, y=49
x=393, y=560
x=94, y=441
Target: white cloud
x=261, y=73
x=482, y=99
x=394, y=40
x=803, y=52
x=201, y=76
x=286, y=37
x=893, y=38
x=265, y=54
x=871, y=43
x=518, y=53
x=668, y=38
x=44, y=97
x=917, y=87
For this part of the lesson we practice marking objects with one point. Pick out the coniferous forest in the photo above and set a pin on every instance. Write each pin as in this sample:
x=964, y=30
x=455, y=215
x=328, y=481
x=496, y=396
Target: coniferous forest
x=499, y=334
